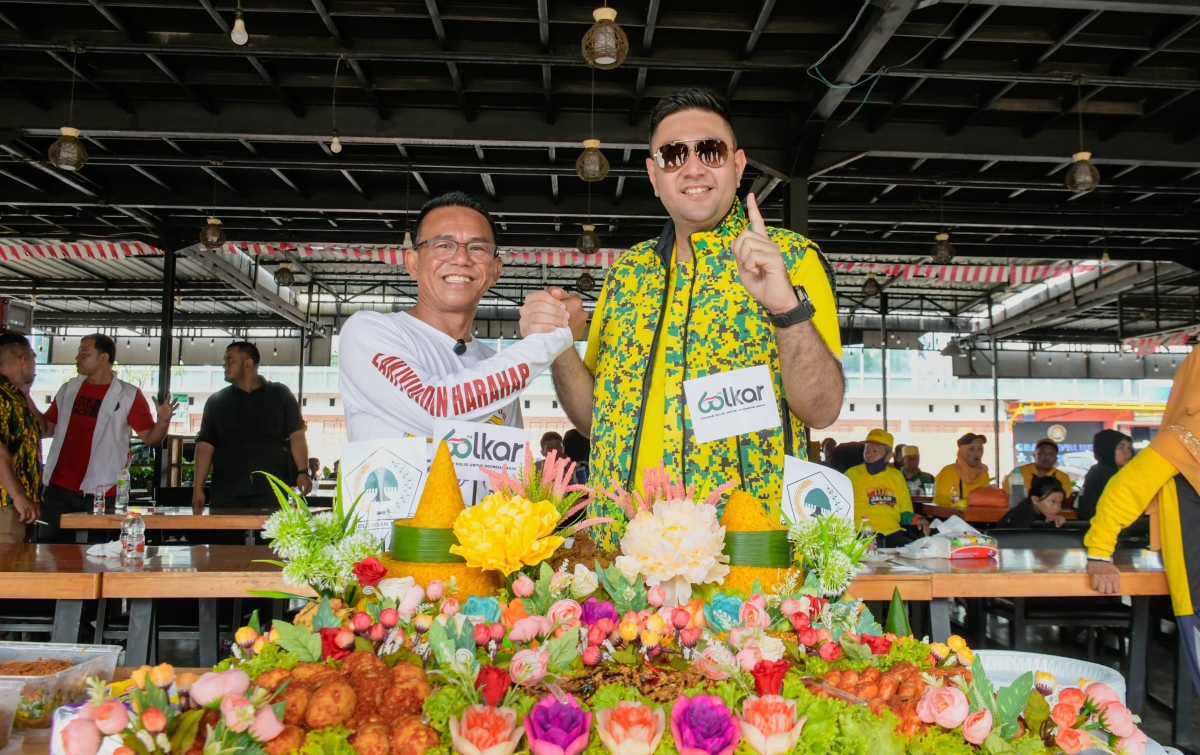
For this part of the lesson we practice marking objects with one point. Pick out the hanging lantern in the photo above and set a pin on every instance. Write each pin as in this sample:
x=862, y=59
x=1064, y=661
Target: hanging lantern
x=871, y=286
x=943, y=250
x=588, y=242
x=335, y=144
x=1105, y=259
x=586, y=282
x=1082, y=176
x=68, y=152
x=408, y=242
x=284, y=276
x=592, y=165
x=211, y=235
x=605, y=44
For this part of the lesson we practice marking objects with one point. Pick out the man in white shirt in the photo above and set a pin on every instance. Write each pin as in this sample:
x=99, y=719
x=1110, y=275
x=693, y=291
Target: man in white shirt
x=400, y=372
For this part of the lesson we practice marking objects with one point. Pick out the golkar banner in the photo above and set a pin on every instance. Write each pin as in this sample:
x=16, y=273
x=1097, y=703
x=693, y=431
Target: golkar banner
x=732, y=403
x=476, y=446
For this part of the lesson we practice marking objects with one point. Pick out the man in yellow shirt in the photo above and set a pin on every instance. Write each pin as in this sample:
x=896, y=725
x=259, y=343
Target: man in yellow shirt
x=1045, y=456
x=718, y=291
x=881, y=492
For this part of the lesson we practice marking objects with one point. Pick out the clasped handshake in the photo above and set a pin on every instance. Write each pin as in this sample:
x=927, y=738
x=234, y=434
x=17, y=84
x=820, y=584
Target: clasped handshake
x=544, y=311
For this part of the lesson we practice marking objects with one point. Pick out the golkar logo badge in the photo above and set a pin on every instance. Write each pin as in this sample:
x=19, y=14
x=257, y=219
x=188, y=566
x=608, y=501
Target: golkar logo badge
x=729, y=397
x=477, y=446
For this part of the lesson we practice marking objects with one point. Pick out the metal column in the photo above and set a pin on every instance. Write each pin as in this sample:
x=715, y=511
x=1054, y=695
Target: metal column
x=883, y=335
x=164, y=353
x=995, y=388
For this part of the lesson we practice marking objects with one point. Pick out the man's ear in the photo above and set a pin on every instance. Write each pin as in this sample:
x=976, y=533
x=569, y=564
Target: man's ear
x=495, y=271
x=739, y=164
x=411, y=260
x=650, y=165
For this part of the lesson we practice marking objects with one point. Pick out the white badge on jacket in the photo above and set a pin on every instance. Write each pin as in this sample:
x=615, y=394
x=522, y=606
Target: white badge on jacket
x=476, y=446
x=732, y=403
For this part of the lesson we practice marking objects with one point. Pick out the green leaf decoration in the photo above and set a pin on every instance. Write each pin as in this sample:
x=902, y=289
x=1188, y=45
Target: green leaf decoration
x=981, y=694
x=441, y=644
x=625, y=596
x=299, y=640
x=897, y=618
x=280, y=708
x=324, y=618
x=361, y=643
x=466, y=637
x=541, y=592
x=625, y=658
x=374, y=608
x=1011, y=702
x=997, y=745
x=186, y=729
x=277, y=595
x=855, y=651
x=254, y=624
x=563, y=649
x=867, y=624
x=1037, y=710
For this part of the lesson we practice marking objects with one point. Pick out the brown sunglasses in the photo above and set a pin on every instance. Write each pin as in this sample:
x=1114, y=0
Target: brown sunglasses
x=673, y=155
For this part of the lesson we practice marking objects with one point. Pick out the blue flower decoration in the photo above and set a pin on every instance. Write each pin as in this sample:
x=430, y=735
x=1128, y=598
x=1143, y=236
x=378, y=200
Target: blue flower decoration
x=487, y=609
x=722, y=612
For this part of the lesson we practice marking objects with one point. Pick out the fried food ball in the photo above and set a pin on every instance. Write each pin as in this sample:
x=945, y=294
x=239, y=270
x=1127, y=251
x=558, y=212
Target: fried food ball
x=297, y=696
x=834, y=677
x=887, y=687
x=271, y=679
x=849, y=680
x=289, y=740
x=878, y=707
x=405, y=671
x=313, y=673
x=331, y=705
x=370, y=688
x=867, y=690
x=361, y=660
x=405, y=697
x=364, y=717
x=372, y=739
x=412, y=737
x=871, y=675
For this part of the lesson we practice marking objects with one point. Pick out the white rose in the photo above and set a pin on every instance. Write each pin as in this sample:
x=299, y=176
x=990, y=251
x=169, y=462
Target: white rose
x=630, y=567
x=584, y=583
x=395, y=587
x=771, y=647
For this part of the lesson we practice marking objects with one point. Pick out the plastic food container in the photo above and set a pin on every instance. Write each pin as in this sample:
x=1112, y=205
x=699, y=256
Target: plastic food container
x=40, y=696
x=10, y=696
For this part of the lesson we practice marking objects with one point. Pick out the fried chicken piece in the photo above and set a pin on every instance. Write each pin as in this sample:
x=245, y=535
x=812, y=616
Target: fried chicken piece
x=297, y=696
x=289, y=740
x=372, y=739
x=331, y=705
x=405, y=698
x=364, y=717
x=370, y=688
x=404, y=671
x=314, y=673
x=271, y=679
x=361, y=660
x=412, y=737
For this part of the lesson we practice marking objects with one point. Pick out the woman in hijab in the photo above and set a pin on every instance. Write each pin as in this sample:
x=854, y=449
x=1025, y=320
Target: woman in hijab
x=966, y=473
x=1167, y=475
x=1112, y=450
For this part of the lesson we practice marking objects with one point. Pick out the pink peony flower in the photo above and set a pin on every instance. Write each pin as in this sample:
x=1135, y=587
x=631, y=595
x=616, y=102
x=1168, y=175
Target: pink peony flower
x=1118, y=720
x=1100, y=694
x=1072, y=740
x=1134, y=744
x=631, y=728
x=111, y=717
x=977, y=726
x=565, y=613
x=555, y=727
x=216, y=684
x=523, y=587
x=702, y=725
x=769, y=724
x=80, y=737
x=528, y=667
x=483, y=730
x=266, y=726
x=238, y=712
x=945, y=706
x=754, y=617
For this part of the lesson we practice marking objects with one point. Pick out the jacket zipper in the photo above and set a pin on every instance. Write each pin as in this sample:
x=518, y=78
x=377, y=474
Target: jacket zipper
x=687, y=321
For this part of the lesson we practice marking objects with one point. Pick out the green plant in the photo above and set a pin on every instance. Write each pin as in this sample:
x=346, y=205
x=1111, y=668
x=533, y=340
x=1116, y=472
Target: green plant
x=831, y=550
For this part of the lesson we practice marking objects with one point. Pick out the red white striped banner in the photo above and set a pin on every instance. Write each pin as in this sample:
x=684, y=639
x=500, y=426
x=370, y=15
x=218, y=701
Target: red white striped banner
x=391, y=254
x=1012, y=274
x=12, y=250
x=1150, y=344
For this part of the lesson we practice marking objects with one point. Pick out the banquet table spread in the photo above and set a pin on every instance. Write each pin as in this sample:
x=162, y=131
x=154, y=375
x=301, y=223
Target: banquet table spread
x=978, y=514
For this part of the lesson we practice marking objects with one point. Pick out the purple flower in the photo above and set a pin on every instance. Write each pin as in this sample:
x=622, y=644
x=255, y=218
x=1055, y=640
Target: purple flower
x=557, y=728
x=702, y=725
x=594, y=610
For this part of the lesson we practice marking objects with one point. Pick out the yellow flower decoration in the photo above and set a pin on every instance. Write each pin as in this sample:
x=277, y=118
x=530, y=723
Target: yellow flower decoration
x=956, y=643
x=505, y=533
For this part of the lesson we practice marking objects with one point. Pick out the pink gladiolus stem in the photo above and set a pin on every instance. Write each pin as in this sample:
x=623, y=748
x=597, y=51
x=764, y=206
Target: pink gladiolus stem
x=589, y=522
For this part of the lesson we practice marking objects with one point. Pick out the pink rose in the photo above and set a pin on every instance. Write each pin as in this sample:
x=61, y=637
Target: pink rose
x=1118, y=720
x=523, y=587
x=945, y=706
x=412, y=599
x=528, y=667
x=1134, y=744
x=216, y=684
x=450, y=606
x=977, y=726
x=824, y=634
x=753, y=617
x=1100, y=694
x=830, y=651
x=111, y=717
x=738, y=637
x=528, y=628
x=565, y=613
x=789, y=606
x=656, y=595
x=758, y=599
x=1072, y=740
x=435, y=590
x=81, y=737
x=748, y=658
x=238, y=712
x=266, y=726
x=807, y=636
x=1072, y=696
x=713, y=659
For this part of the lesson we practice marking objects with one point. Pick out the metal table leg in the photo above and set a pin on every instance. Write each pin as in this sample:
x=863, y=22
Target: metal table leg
x=141, y=630
x=208, y=632
x=67, y=617
x=1139, y=637
x=939, y=619
x=1181, y=711
x=81, y=536
x=101, y=619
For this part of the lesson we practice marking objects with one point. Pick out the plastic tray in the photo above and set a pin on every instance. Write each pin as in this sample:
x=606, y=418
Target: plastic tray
x=10, y=695
x=1004, y=666
x=42, y=695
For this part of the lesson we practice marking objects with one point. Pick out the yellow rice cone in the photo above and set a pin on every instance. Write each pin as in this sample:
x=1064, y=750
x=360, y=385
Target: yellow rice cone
x=745, y=513
x=441, y=501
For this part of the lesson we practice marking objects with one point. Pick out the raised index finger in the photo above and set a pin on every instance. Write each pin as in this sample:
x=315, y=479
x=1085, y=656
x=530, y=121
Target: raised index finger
x=756, y=220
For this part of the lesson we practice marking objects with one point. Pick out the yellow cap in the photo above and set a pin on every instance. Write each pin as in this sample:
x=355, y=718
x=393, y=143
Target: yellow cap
x=441, y=500
x=883, y=437
x=910, y=451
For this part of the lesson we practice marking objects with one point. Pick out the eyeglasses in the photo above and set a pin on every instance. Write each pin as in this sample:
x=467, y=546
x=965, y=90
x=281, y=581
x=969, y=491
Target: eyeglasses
x=672, y=155
x=443, y=249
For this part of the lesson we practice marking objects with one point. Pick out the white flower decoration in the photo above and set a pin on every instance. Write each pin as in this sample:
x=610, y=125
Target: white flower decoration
x=584, y=582
x=677, y=544
x=395, y=587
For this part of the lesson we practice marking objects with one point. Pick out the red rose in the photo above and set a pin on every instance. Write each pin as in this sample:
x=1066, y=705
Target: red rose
x=329, y=646
x=807, y=637
x=492, y=682
x=370, y=571
x=878, y=645
x=768, y=676
x=818, y=605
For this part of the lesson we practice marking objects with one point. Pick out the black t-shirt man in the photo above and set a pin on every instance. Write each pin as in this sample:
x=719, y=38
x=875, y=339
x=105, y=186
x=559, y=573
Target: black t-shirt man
x=249, y=433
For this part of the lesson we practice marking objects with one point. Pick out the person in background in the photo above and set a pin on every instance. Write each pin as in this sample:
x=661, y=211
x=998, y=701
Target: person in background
x=966, y=473
x=897, y=456
x=314, y=468
x=250, y=426
x=1045, y=456
x=827, y=448
x=579, y=450
x=552, y=441
x=20, y=433
x=1112, y=450
x=880, y=493
x=1043, y=504
x=845, y=455
x=1168, y=471
x=91, y=439
x=910, y=465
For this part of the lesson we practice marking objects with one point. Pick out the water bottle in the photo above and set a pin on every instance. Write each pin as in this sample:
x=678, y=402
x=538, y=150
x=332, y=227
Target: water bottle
x=133, y=538
x=122, y=504
x=868, y=531
x=955, y=500
x=1016, y=487
x=98, y=500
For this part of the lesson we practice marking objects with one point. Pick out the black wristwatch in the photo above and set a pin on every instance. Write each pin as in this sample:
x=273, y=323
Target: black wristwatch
x=802, y=313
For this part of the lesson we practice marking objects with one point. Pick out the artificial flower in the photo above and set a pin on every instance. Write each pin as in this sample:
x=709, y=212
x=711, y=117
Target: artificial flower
x=1044, y=683
x=1073, y=696
x=722, y=613
x=558, y=727
x=329, y=645
x=394, y=587
x=435, y=589
x=529, y=628
x=505, y=533
x=565, y=613
x=752, y=616
x=1072, y=740
x=512, y=612
x=528, y=667
x=807, y=637
x=1100, y=694
x=939, y=651
x=80, y=737
x=878, y=645
x=1064, y=714
x=716, y=662
x=154, y=720
x=656, y=595
x=483, y=730
x=789, y=606
x=702, y=725
x=1117, y=719
x=162, y=675
x=748, y=658
x=629, y=567
x=945, y=706
x=449, y=606
x=493, y=683
x=411, y=601
x=523, y=586
x=266, y=725
x=956, y=642
x=830, y=651
x=631, y=728
x=594, y=609
x=111, y=717
x=369, y=571
x=584, y=582
x=770, y=725
x=237, y=711
x=768, y=676
x=977, y=726
x=676, y=545
x=1134, y=744
x=217, y=684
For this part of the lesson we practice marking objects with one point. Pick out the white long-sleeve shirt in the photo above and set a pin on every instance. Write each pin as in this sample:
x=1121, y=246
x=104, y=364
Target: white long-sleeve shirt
x=398, y=374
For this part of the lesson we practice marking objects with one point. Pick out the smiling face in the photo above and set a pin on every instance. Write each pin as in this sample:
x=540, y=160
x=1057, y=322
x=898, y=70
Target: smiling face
x=696, y=196
x=455, y=284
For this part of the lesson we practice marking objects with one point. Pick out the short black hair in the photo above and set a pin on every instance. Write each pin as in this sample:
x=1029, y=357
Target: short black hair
x=247, y=349
x=687, y=99
x=103, y=344
x=13, y=345
x=454, y=199
x=1044, y=486
x=577, y=447
x=550, y=435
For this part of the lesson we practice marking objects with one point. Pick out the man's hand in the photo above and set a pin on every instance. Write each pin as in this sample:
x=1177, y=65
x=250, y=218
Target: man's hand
x=760, y=264
x=166, y=410
x=304, y=482
x=27, y=510
x=1106, y=577
x=198, y=500
x=544, y=311
x=923, y=523
x=576, y=316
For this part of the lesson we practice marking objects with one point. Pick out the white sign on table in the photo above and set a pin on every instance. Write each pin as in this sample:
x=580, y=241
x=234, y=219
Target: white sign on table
x=388, y=475
x=476, y=446
x=732, y=403
x=812, y=490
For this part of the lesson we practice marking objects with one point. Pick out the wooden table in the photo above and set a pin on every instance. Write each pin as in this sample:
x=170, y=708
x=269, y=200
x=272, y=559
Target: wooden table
x=62, y=573
x=174, y=518
x=978, y=514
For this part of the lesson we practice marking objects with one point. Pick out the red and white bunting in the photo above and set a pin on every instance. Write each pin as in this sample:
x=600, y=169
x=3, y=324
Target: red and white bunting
x=1012, y=274
x=12, y=250
x=1149, y=344
x=393, y=254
